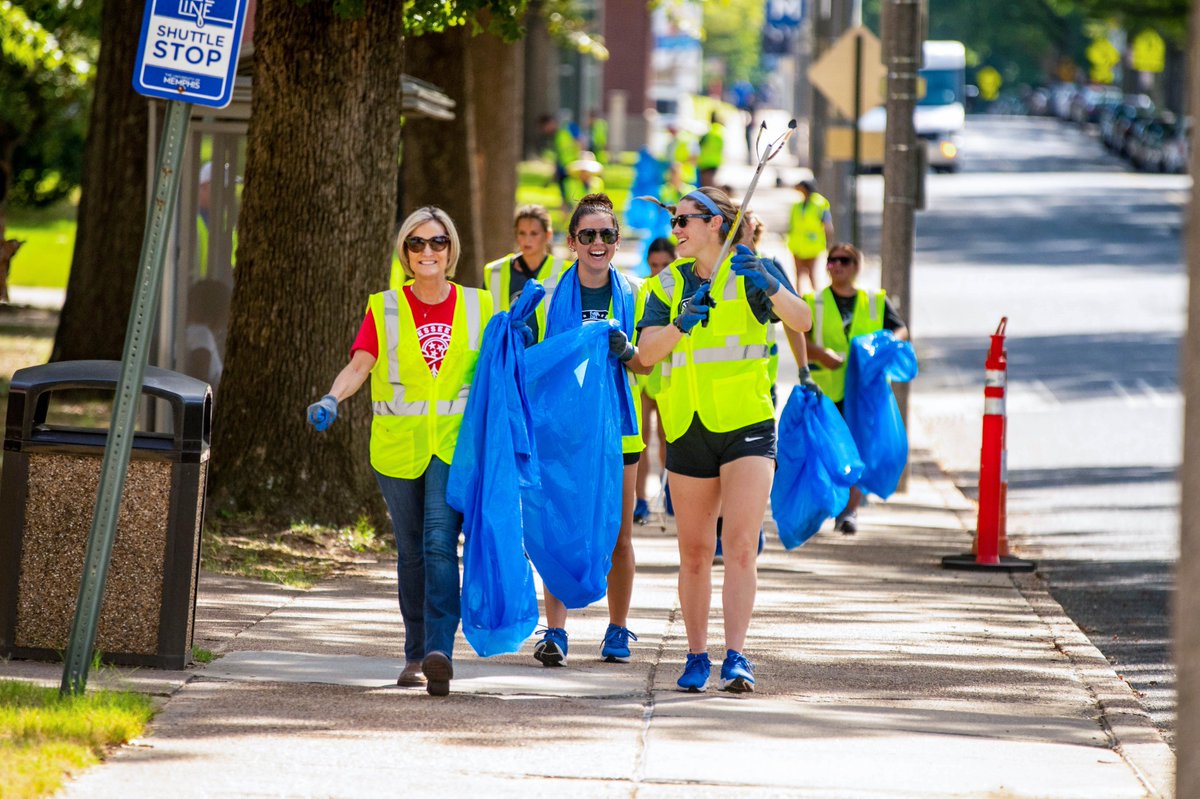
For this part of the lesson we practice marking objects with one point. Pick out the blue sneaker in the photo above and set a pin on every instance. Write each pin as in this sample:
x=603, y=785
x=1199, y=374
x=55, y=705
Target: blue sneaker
x=641, y=511
x=668, y=506
x=762, y=539
x=616, y=644
x=552, y=649
x=737, y=673
x=695, y=674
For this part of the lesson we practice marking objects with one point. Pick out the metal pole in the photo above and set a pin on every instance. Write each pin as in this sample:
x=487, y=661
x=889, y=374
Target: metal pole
x=902, y=56
x=115, y=463
x=857, y=165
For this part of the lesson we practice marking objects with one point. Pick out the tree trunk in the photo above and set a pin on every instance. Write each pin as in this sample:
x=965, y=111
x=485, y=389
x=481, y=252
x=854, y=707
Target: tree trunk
x=439, y=164
x=111, y=218
x=497, y=75
x=314, y=242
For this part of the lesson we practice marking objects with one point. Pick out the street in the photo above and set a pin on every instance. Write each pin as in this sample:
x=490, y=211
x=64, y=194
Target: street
x=1084, y=258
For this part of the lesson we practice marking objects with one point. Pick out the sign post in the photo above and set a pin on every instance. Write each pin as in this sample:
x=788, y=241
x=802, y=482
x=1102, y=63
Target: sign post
x=187, y=54
x=851, y=75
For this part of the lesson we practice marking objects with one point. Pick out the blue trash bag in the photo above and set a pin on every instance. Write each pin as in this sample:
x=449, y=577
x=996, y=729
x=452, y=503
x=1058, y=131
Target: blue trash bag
x=876, y=361
x=572, y=519
x=817, y=464
x=648, y=176
x=494, y=460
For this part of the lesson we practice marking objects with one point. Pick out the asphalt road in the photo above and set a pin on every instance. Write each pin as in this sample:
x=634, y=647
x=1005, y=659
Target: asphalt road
x=1084, y=258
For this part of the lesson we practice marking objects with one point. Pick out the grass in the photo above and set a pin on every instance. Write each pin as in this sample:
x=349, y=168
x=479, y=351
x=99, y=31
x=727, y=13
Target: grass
x=298, y=556
x=202, y=655
x=49, y=235
x=44, y=737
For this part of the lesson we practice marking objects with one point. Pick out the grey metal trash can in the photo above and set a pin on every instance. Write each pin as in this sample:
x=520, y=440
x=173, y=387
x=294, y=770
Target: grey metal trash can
x=47, y=497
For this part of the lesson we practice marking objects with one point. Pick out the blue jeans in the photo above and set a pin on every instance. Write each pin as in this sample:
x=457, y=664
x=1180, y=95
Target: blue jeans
x=426, y=530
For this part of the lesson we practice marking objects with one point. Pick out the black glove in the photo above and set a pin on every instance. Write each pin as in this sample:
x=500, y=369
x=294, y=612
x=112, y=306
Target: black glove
x=619, y=345
x=807, y=382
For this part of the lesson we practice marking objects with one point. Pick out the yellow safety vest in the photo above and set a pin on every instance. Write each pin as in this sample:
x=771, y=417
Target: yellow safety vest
x=719, y=372
x=650, y=384
x=827, y=332
x=497, y=277
x=712, y=147
x=417, y=415
x=806, y=235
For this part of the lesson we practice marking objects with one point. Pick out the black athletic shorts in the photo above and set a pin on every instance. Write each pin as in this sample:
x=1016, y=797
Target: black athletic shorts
x=631, y=458
x=701, y=453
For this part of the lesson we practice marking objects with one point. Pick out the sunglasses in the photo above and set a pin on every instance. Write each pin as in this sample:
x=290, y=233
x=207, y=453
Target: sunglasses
x=682, y=219
x=417, y=244
x=844, y=260
x=608, y=235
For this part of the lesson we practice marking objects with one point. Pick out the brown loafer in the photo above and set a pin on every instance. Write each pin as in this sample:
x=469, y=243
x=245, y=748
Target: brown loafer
x=411, y=676
x=438, y=673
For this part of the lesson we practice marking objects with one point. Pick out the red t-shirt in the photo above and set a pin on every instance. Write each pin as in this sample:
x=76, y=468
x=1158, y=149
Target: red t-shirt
x=434, y=324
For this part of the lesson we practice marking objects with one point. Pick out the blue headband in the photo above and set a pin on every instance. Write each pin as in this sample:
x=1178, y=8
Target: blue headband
x=701, y=198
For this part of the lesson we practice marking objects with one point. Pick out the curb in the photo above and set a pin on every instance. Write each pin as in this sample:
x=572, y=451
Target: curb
x=1119, y=713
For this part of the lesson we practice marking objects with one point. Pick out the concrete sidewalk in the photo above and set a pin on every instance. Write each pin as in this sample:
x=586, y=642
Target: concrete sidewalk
x=880, y=675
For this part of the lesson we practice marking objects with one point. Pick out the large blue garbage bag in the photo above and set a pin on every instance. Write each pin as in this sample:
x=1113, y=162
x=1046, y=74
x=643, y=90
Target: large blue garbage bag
x=877, y=360
x=817, y=464
x=494, y=460
x=572, y=520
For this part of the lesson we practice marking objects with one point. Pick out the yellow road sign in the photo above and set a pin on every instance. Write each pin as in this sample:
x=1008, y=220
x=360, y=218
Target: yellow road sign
x=1149, y=52
x=833, y=72
x=989, y=82
x=1103, y=56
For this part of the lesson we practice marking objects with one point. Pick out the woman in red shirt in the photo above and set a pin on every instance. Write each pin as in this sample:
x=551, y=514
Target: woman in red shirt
x=419, y=346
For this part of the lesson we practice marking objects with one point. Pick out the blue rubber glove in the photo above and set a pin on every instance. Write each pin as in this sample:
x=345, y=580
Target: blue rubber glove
x=694, y=310
x=522, y=328
x=619, y=345
x=806, y=381
x=321, y=414
x=751, y=267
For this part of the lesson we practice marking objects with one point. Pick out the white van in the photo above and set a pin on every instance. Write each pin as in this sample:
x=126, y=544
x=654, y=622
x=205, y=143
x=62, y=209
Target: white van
x=940, y=114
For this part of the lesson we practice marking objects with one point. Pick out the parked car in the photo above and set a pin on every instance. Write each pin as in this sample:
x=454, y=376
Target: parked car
x=1144, y=144
x=1061, y=95
x=1087, y=104
x=1115, y=126
x=1176, y=148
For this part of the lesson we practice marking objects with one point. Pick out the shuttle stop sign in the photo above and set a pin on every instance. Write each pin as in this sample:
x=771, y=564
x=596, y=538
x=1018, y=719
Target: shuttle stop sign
x=189, y=50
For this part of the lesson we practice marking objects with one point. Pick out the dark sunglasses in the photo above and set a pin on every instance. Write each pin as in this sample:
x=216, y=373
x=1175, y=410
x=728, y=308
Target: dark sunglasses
x=681, y=220
x=845, y=260
x=608, y=235
x=417, y=244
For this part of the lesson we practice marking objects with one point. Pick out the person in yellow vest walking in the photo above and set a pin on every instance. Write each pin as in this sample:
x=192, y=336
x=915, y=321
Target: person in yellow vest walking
x=418, y=346
x=716, y=410
x=505, y=278
x=712, y=152
x=809, y=232
x=594, y=290
x=840, y=312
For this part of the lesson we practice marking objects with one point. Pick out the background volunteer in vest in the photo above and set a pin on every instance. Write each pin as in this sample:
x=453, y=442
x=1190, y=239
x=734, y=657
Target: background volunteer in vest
x=418, y=346
x=809, y=232
x=716, y=409
x=594, y=235
x=658, y=257
x=843, y=312
x=505, y=278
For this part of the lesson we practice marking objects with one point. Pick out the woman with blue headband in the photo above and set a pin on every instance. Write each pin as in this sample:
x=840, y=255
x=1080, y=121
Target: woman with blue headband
x=707, y=322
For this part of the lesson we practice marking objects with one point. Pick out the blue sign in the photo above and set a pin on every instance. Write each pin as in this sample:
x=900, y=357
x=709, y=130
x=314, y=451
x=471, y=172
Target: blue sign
x=785, y=14
x=189, y=50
